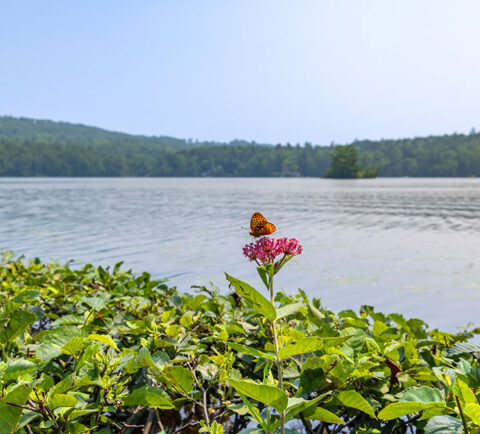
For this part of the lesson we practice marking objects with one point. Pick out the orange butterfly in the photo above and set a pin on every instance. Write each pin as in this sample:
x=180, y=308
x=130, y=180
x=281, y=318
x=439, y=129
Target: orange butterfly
x=259, y=226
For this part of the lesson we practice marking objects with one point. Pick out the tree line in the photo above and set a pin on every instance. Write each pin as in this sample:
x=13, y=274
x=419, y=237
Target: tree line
x=449, y=155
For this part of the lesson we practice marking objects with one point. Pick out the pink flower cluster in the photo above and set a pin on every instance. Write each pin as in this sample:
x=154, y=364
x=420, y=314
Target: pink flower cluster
x=266, y=249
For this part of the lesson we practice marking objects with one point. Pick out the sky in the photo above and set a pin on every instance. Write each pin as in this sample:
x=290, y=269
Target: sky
x=273, y=71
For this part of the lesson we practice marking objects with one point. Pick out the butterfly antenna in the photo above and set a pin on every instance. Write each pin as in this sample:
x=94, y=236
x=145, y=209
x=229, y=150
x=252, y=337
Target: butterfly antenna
x=245, y=228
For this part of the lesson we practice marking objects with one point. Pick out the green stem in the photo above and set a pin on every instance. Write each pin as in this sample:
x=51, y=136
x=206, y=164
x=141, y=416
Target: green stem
x=279, y=362
x=460, y=409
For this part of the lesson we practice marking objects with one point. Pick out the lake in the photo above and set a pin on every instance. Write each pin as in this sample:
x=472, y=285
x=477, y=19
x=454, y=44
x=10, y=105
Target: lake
x=403, y=245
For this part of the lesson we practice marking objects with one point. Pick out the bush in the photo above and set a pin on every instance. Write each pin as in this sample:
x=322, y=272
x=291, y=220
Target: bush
x=105, y=350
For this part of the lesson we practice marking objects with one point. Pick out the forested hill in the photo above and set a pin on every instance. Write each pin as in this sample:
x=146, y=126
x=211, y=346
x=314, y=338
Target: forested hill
x=45, y=131
x=45, y=148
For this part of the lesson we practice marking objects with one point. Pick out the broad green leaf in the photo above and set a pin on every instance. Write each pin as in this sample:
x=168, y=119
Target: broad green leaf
x=26, y=418
x=76, y=428
x=97, y=302
x=463, y=347
x=10, y=415
x=309, y=345
x=150, y=397
x=413, y=400
x=260, y=303
x=16, y=368
x=27, y=295
x=180, y=377
x=317, y=316
x=400, y=320
x=62, y=400
x=252, y=351
x=69, y=319
x=52, y=342
x=74, y=345
x=472, y=410
x=104, y=339
x=19, y=323
x=298, y=405
x=262, y=272
x=466, y=395
x=318, y=413
x=352, y=399
x=398, y=409
x=423, y=394
x=444, y=425
x=269, y=395
x=287, y=310
x=62, y=386
x=173, y=330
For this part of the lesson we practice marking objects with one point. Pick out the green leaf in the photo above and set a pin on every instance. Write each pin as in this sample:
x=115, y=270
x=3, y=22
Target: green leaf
x=353, y=399
x=104, y=339
x=444, y=425
x=309, y=345
x=466, y=395
x=413, y=400
x=260, y=303
x=298, y=405
x=424, y=394
x=16, y=368
x=269, y=395
x=472, y=410
x=26, y=418
x=62, y=400
x=180, y=377
x=27, y=295
x=19, y=323
x=398, y=409
x=287, y=310
x=98, y=302
x=52, y=341
x=76, y=428
x=400, y=320
x=462, y=348
x=10, y=415
x=318, y=413
x=262, y=272
x=73, y=346
x=252, y=351
x=149, y=396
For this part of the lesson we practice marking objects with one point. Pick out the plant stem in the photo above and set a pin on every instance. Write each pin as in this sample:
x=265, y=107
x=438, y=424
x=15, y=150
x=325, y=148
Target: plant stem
x=460, y=409
x=279, y=362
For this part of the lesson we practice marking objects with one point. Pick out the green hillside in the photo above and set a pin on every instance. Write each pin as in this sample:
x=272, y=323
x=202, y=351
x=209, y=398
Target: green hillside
x=44, y=148
x=45, y=131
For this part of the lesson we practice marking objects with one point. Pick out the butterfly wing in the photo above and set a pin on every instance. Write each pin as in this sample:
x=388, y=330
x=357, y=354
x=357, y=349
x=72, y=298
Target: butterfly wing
x=258, y=220
x=259, y=225
x=267, y=229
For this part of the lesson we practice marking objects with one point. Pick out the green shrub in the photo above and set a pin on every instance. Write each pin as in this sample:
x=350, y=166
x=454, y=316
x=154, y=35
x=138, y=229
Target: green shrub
x=105, y=350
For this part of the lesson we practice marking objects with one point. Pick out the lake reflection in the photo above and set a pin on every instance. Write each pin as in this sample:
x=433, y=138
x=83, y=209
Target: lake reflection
x=403, y=245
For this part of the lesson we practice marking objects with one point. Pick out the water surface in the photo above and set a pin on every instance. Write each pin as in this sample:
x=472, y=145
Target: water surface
x=402, y=245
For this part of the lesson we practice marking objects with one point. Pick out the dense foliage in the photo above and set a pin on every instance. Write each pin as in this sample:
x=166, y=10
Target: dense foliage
x=45, y=148
x=44, y=131
x=345, y=165
x=96, y=350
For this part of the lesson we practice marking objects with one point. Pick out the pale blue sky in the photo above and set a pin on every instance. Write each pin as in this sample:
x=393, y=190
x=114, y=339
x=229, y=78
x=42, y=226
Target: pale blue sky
x=264, y=70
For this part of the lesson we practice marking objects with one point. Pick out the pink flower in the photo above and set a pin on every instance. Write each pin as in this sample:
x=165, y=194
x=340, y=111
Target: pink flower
x=266, y=249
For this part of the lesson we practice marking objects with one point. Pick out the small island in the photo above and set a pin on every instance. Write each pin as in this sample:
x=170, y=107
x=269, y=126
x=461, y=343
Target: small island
x=344, y=164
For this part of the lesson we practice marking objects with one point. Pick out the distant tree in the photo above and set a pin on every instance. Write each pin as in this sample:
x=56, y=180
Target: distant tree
x=344, y=163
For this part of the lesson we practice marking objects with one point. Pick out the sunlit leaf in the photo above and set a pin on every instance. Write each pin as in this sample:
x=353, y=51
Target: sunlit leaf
x=259, y=302
x=104, y=339
x=150, y=397
x=180, y=377
x=269, y=395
